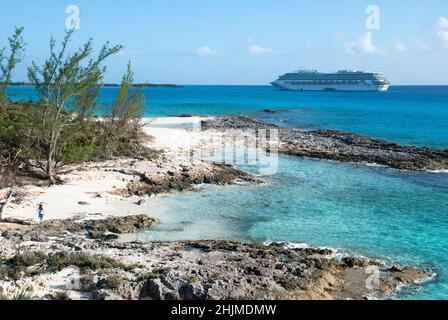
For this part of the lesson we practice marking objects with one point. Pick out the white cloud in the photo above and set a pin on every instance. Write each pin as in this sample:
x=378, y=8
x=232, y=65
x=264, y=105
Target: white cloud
x=363, y=45
x=442, y=23
x=367, y=45
x=256, y=48
x=205, y=51
x=443, y=36
x=442, y=33
x=400, y=45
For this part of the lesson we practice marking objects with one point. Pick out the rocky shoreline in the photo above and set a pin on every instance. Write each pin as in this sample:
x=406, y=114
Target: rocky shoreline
x=338, y=145
x=75, y=253
x=62, y=261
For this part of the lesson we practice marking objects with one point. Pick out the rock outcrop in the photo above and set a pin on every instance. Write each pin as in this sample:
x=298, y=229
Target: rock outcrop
x=181, y=178
x=192, y=270
x=340, y=146
x=104, y=229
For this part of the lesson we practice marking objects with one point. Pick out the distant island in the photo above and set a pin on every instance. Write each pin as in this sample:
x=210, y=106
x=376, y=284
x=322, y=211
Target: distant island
x=145, y=85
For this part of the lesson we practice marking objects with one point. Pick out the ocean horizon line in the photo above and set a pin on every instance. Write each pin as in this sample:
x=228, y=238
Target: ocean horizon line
x=180, y=85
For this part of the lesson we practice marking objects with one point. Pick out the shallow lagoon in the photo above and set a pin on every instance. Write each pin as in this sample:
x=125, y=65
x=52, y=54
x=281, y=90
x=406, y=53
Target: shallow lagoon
x=397, y=216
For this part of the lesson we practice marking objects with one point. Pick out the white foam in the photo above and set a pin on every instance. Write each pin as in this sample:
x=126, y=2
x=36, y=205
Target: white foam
x=373, y=164
x=300, y=245
x=438, y=171
x=293, y=245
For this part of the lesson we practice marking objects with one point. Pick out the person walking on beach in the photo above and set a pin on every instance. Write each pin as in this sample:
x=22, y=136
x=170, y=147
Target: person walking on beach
x=40, y=212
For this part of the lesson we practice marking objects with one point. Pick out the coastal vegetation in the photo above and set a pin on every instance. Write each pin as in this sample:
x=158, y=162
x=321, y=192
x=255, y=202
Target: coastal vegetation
x=9, y=62
x=32, y=264
x=62, y=126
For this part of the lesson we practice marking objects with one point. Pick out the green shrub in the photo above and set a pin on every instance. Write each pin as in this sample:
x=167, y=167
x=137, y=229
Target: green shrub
x=21, y=295
x=114, y=282
x=82, y=140
x=27, y=259
x=28, y=264
x=31, y=264
x=61, y=295
x=87, y=282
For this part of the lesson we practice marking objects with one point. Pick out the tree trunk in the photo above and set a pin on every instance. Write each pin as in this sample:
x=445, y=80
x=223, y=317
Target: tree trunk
x=50, y=165
x=8, y=175
x=8, y=199
x=50, y=155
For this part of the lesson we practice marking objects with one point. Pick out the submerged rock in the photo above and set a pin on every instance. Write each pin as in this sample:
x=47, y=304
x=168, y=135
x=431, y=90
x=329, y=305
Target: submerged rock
x=270, y=111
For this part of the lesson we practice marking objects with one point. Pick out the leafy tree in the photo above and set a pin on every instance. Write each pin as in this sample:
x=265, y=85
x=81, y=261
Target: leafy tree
x=86, y=103
x=130, y=103
x=9, y=152
x=9, y=63
x=63, y=80
x=59, y=128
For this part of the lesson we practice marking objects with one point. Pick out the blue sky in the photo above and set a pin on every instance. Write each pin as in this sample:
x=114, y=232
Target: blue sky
x=245, y=41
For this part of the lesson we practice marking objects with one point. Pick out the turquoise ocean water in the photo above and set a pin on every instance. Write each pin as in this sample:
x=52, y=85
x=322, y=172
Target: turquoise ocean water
x=393, y=215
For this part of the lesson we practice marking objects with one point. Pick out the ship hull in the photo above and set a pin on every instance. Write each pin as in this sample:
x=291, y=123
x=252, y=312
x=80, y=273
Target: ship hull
x=336, y=87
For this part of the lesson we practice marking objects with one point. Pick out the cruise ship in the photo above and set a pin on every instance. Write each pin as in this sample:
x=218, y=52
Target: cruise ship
x=342, y=80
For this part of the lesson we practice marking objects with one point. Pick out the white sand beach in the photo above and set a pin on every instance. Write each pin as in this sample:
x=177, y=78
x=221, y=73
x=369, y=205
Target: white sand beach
x=172, y=133
x=88, y=189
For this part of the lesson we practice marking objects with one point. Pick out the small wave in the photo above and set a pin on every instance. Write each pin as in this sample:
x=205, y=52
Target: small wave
x=433, y=276
x=373, y=164
x=438, y=171
x=403, y=290
x=301, y=110
x=288, y=245
x=300, y=245
x=337, y=254
x=297, y=245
